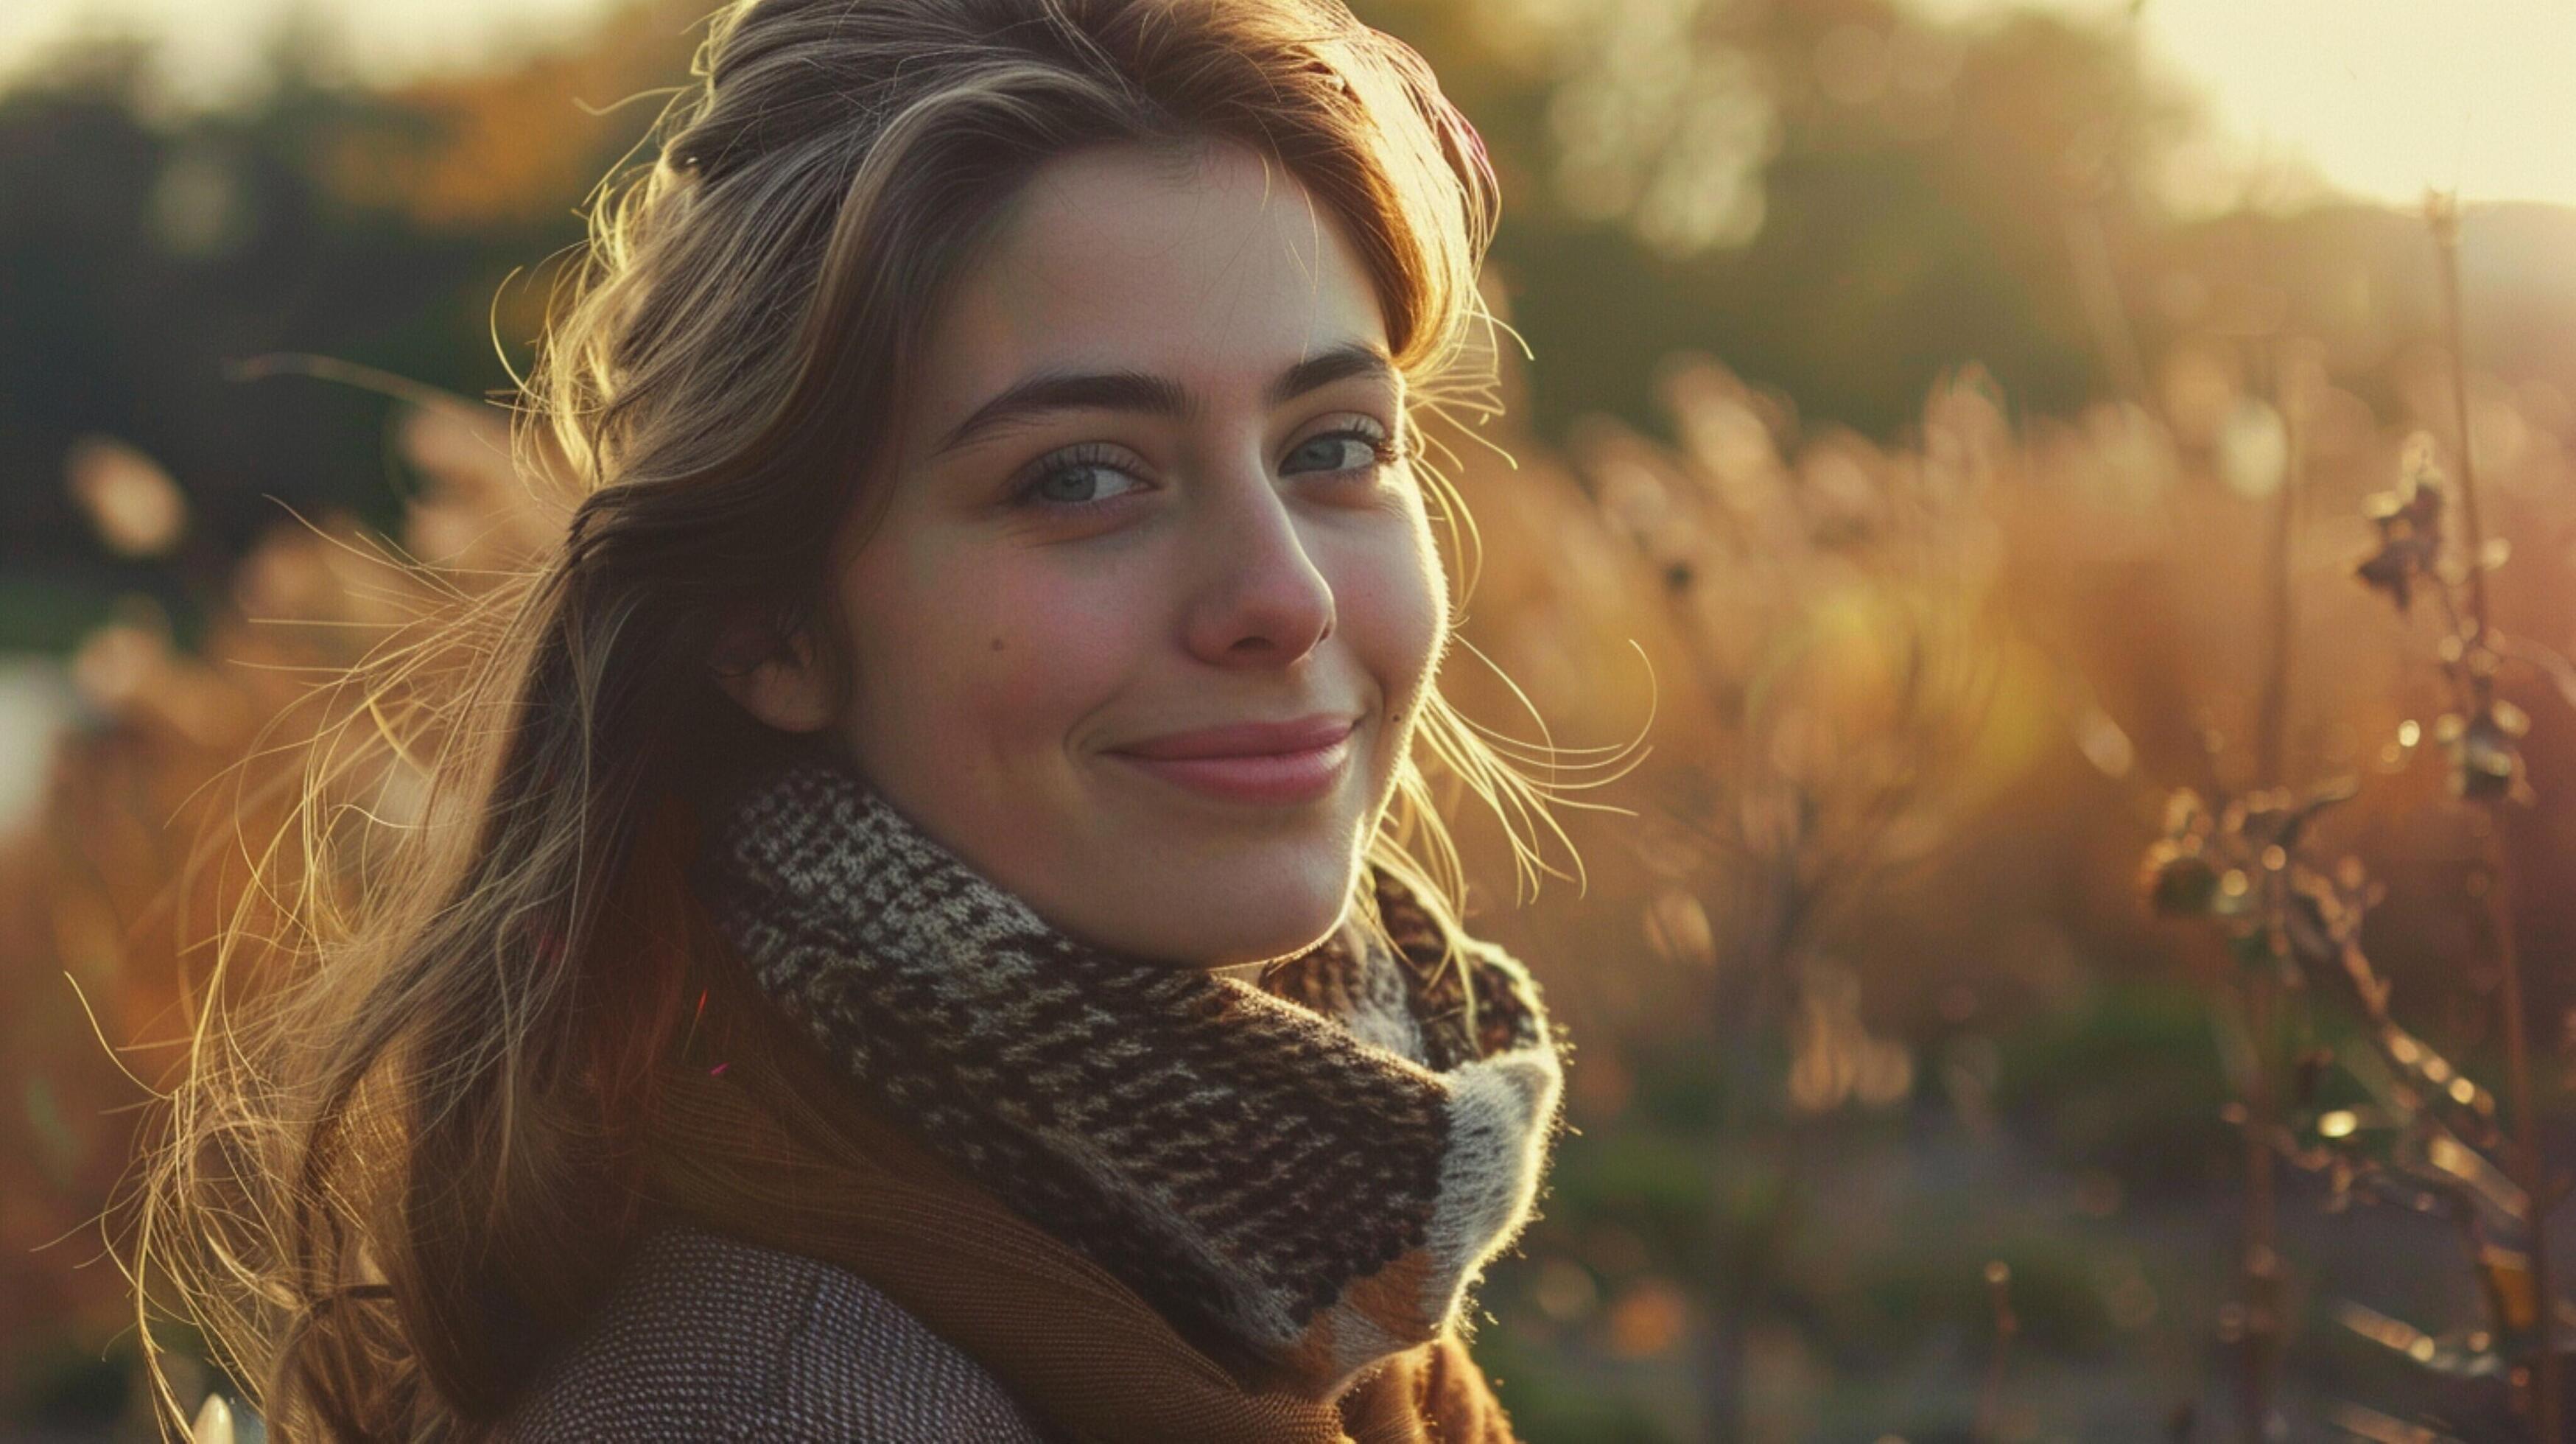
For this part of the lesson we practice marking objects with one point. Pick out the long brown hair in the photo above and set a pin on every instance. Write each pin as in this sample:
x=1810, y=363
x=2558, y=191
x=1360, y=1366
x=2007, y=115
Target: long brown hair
x=398, y=1163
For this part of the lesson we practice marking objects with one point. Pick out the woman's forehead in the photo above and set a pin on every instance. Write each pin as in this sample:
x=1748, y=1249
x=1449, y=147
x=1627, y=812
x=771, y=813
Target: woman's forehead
x=1223, y=272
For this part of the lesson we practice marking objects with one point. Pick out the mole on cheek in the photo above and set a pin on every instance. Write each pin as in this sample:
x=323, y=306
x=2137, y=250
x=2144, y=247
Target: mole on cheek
x=997, y=644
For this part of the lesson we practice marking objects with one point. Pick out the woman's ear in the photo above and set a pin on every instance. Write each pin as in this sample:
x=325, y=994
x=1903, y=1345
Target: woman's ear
x=774, y=678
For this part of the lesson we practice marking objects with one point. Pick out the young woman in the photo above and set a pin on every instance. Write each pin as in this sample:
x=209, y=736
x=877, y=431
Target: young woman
x=927, y=921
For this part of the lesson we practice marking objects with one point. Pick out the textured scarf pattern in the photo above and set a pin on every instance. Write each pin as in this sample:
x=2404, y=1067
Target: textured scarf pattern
x=1305, y=1176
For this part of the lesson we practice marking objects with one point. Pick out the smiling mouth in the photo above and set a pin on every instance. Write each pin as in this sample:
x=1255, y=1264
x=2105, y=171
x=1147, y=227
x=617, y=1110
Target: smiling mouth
x=1275, y=779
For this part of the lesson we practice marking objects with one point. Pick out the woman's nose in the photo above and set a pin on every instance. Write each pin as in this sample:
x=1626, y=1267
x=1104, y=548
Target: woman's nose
x=1259, y=598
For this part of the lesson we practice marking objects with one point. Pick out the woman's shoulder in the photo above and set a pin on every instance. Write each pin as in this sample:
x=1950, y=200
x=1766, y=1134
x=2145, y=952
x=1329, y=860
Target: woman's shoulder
x=709, y=1337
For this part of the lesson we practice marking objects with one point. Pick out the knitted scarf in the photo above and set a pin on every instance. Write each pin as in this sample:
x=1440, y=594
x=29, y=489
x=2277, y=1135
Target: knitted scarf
x=1305, y=1177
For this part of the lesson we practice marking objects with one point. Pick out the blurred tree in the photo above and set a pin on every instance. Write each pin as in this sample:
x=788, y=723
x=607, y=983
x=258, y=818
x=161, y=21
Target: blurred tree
x=145, y=255
x=1839, y=197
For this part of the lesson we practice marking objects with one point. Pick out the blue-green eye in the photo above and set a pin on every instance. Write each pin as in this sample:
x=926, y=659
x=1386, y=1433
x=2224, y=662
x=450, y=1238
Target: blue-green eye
x=1071, y=479
x=1350, y=449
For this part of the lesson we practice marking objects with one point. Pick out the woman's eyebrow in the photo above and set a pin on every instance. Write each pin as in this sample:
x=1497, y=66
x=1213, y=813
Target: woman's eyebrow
x=1153, y=395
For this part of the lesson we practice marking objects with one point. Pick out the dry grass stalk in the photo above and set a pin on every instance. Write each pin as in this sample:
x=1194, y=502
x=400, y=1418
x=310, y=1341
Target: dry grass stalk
x=2295, y=923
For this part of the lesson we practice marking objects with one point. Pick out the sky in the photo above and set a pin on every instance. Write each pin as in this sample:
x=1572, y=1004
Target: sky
x=2381, y=98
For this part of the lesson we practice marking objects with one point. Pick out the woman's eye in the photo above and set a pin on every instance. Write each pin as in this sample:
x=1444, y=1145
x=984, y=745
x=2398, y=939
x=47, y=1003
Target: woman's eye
x=1087, y=476
x=1336, y=451
x=1074, y=481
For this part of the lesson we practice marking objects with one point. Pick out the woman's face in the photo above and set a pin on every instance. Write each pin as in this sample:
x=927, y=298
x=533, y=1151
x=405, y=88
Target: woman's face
x=1145, y=487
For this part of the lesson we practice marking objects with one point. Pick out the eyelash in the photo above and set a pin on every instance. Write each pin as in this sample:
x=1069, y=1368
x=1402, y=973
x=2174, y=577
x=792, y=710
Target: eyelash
x=1387, y=452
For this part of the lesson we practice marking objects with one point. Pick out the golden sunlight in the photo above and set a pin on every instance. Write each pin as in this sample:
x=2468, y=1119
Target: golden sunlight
x=2377, y=98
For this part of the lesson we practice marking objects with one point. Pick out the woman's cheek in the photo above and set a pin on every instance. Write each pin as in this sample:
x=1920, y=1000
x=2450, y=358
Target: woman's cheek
x=1048, y=649
x=1396, y=602
x=1426, y=601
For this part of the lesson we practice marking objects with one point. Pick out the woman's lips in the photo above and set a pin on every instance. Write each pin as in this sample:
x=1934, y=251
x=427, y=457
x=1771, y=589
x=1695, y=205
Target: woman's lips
x=1274, y=778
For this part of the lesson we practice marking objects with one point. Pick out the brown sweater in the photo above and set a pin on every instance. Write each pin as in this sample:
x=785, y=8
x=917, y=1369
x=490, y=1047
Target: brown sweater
x=705, y=1337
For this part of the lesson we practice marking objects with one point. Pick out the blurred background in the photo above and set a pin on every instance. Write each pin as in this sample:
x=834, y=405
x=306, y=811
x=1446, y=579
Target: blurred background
x=1950, y=428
